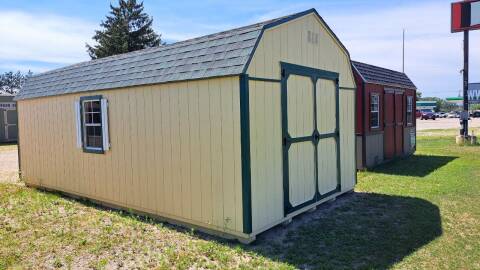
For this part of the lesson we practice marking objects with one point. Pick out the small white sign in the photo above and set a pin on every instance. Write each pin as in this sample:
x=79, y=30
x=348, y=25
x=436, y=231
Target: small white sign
x=8, y=105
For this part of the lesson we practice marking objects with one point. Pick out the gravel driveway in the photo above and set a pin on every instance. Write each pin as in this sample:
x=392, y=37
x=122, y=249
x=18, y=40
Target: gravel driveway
x=8, y=166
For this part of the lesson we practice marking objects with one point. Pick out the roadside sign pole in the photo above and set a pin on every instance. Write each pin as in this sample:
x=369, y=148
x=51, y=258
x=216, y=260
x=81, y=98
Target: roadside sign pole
x=465, y=84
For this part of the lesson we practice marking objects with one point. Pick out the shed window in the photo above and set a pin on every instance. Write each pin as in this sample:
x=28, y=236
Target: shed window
x=92, y=124
x=409, y=109
x=374, y=111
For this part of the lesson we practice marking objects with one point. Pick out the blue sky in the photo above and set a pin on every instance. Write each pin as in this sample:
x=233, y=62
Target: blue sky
x=41, y=35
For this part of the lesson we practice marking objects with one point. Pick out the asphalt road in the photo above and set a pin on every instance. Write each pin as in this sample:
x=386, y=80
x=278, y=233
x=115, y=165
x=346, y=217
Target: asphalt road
x=444, y=123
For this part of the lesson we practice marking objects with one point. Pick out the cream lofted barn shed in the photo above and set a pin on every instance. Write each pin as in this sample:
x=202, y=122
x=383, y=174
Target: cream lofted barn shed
x=232, y=133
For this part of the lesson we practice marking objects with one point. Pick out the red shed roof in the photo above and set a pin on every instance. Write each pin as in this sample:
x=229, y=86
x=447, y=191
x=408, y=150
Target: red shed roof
x=383, y=76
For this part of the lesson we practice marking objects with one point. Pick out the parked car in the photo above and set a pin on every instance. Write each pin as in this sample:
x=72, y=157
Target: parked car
x=427, y=114
x=452, y=115
x=442, y=115
x=418, y=114
x=476, y=114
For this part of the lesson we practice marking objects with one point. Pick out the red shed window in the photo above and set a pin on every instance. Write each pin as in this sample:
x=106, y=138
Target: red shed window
x=374, y=111
x=409, y=109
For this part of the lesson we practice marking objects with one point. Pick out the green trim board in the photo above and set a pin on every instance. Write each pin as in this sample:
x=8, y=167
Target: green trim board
x=264, y=80
x=245, y=153
x=348, y=88
x=288, y=69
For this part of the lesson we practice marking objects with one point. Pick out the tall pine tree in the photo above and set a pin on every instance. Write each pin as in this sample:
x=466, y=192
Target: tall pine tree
x=126, y=29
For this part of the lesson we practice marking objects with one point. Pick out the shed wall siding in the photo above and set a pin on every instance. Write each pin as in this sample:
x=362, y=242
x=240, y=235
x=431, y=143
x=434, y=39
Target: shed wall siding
x=374, y=149
x=266, y=153
x=175, y=151
x=288, y=42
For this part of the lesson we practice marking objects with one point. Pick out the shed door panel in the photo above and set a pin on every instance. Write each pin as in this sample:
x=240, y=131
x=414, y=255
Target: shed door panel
x=327, y=165
x=389, y=130
x=326, y=123
x=399, y=121
x=326, y=106
x=300, y=106
x=301, y=154
x=301, y=173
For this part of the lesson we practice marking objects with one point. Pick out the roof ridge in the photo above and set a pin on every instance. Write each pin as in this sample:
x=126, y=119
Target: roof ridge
x=378, y=67
x=219, y=54
x=380, y=75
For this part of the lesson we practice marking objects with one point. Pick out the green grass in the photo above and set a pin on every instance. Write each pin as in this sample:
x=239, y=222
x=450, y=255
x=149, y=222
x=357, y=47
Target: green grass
x=422, y=212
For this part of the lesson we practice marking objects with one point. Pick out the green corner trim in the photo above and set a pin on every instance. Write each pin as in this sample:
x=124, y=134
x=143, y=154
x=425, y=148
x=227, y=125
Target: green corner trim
x=245, y=152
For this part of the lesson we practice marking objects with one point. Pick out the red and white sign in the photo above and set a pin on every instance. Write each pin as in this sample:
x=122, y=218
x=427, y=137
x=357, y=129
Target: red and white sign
x=465, y=15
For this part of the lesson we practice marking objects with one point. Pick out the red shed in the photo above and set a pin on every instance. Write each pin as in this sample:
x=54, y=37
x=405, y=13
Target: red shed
x=386, y=123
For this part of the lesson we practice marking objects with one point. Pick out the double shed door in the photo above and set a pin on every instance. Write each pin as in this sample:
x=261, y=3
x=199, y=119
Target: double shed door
x=394, y=115
x=10, y=125
x=310, y=135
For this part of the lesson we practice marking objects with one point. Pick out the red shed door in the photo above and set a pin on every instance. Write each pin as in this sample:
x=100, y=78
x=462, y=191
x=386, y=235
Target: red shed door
x=389, y=126
x=399, y=121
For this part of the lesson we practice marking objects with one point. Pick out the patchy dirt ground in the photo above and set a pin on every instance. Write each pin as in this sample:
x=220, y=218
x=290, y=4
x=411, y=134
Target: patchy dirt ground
x=8, y=166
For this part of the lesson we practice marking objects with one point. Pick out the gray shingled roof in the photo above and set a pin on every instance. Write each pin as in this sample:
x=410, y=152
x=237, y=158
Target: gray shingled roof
x=383, y=76
x=221, y=54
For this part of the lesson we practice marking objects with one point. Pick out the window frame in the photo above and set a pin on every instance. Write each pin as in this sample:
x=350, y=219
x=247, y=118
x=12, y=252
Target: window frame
x=86, y=149
x=409, y=110
x=377, y=126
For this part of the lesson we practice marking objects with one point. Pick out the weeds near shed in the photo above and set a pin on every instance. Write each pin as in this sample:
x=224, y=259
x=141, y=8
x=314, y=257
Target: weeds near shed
x=421, y=213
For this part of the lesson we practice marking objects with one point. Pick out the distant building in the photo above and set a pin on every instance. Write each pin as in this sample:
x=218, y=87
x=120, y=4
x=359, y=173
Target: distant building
x=473, y=95
x=426, y=104
x=455, y=100
x=8, y=118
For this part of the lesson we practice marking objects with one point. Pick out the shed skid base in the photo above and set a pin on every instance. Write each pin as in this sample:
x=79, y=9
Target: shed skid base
x=313, y=209
x=242, y=238
x=287, y=222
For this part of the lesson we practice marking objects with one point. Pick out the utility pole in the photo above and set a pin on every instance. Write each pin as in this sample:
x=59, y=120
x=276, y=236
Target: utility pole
x=403, y=52
x=464, y=130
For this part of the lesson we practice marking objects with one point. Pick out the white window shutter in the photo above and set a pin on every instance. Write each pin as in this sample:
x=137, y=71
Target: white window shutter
x=78, y=124
x=106, y=140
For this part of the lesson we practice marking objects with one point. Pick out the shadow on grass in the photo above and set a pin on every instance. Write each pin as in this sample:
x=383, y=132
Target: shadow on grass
x=358, y=231
x=416, y=165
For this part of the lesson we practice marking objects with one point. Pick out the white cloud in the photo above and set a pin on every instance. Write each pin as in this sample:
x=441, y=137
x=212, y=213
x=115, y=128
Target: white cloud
x=43, y=38
x=433, y=55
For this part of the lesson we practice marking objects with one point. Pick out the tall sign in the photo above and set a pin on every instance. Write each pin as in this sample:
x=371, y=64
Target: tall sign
x=465, y=17
x=474, y=93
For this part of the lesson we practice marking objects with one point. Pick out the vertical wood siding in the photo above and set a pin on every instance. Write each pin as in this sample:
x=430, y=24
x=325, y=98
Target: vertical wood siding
x=347, y=140
x=266, y=154
x=175, y=151
x=289, y=43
